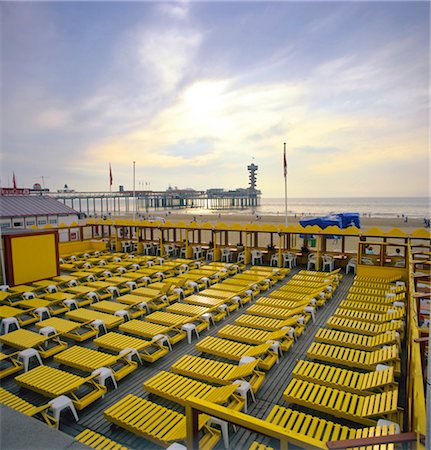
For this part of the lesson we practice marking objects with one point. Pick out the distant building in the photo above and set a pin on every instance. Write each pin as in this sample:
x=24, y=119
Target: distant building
x=66, y=189
x=24, y=211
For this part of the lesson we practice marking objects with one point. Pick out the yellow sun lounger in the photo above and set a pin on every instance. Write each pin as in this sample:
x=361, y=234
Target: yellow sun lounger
x=265, y=323
x=369, y=329
x=110, y=307
x=24, y=317
x=312, y=427
x=9, y=364
x=343, y=379
x=202, y=300
x=23, y=339
x=54, y=307
x=369, y=307
x=177, y=388
x=68, y=328
x=273, y=312
x=97, y=441
x=89, y=360
x=388, y=300
x=149, y=351
x=292, y=296
x=88, y=315
x=218, y=372
x=280, y=303
x=26, y=408
x=52, y=383
x=355, y=340
x=364, y=409
x=245, y=293
x=237, y=350
x=369, y=317
x=150, y=330
x=254, y=336
x=187, y=310
x=157, y=423
x=350, y=357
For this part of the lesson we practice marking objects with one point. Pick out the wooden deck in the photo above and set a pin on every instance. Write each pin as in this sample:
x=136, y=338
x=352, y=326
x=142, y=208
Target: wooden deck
x=270, y=393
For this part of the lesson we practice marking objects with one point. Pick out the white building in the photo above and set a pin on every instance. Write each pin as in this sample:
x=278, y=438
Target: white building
x=24, y=211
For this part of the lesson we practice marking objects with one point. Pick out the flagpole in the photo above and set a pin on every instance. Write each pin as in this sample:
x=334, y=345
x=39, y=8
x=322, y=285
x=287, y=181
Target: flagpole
x=134, y=198
x=285, y=184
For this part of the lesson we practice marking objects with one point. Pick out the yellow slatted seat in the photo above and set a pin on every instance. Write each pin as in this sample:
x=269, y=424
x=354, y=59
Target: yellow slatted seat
x=386, y=300
x=360, y=409
x=149, y=330
x=111, y=307
x=52, y=383
x=275, y=313
x=9, y=365
x=354, y=358
x=343, y=379
x=23, y=339
x=362, y=306
x=24, y=407
x=24, y=317
x=187, y=310
x=88, y=315
x=89, y=360
x=280, y=303
x=218, y=372
x=265, y=323
x=291, y=296
x=202, y=300
x=236, y=350
x=369, y=329
x=355, y=340
x=70, y=329
x=149, y=351
x=168, y=319
x=255, y=336
x=322, y=430
x=157, y=423
x=97, y=441
x=178, y=388
x=369, y=317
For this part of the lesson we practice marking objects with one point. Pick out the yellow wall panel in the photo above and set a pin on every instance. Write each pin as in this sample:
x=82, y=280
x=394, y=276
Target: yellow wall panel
x=33, y=257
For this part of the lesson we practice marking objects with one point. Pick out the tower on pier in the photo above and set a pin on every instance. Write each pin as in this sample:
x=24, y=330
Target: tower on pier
x=252, y=168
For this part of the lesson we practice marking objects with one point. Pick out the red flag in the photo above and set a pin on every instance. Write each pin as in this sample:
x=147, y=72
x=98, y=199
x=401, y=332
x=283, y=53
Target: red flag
x=14, y=181
x=285, y=162
x=110, y=175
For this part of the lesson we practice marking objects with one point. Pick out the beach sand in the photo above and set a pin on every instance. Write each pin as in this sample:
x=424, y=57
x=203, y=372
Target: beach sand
x=384, y=224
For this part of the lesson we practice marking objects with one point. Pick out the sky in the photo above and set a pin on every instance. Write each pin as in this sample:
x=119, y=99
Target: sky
x=195, y=91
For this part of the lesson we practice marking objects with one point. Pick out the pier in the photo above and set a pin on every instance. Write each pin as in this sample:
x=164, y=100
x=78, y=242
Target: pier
x=127, y=202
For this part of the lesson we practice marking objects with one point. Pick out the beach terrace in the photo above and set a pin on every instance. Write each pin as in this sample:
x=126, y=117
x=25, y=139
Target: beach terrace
x=150, y=335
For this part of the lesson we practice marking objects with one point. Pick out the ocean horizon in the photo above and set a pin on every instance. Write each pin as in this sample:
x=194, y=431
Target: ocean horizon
x=378, y=207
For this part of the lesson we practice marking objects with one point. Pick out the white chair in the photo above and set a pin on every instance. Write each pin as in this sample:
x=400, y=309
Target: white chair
x=162, y=339
x=312, y=261
x=29, y=295
x=4, y=287
x=99, y=323
x=87, y=265
x=26, y=356
x=123, y=314
x=47, y=331
x=274, y=260
x=243, y=389
x=8, y=322
x=289, y=260
x=352, y=264
x=328, y=261
x=52, y=288
x=241, y=257
x=226, y=255
x=148, y=248
x=183, y=252
x=189, y=328
x=71, y=302
x=210, y=255
x=117, y=259
x=256, y=257
x=41, y=311
x=103, y=373
x=59, y=404
x=129, y=353
x=197, y=252
x=102, y=262
x=208, y=317
x=224, y=429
